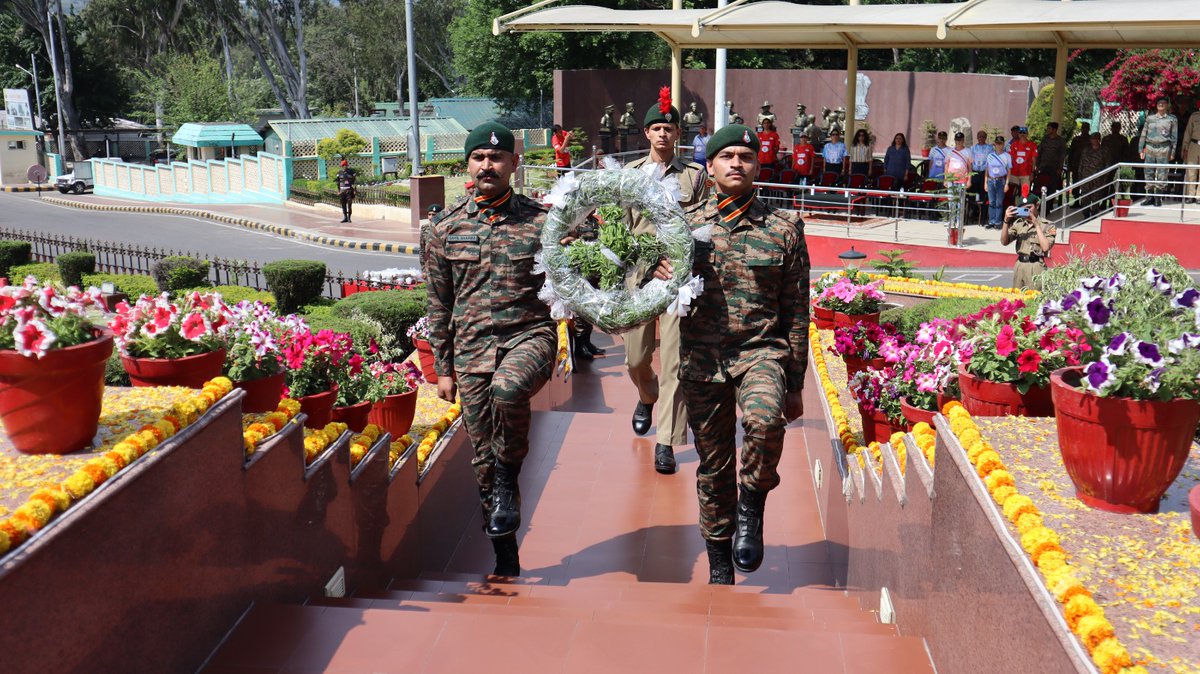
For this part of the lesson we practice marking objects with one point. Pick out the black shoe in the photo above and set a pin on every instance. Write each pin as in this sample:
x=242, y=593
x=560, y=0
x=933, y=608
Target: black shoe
x=505, y=516
x=508, y=561
x=345, y=219
x=720, y=562
x=584, y=354
x=748, y=534
x=641, y=417
x=1158, y=201
x=593, y=349
x=664, y=459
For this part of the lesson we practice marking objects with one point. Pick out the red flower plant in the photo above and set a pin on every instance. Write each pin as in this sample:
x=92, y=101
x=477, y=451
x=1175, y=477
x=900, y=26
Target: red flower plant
x=1005, y=341
x=1029, y=361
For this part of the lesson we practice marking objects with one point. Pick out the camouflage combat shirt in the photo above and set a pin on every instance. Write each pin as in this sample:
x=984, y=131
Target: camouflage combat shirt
x=483, y=294
x=755, y=301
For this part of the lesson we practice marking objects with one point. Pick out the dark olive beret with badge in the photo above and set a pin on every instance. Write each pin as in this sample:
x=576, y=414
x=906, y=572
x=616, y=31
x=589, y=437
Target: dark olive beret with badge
x=489, y=135
x=656, y=116
x=1027, y=200
x=733, y=135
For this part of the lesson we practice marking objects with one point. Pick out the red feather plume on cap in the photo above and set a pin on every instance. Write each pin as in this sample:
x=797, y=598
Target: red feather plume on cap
x=664, y=100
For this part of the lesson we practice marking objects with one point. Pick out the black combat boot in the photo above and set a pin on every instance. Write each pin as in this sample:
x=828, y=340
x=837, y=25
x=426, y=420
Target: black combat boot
x=664, y=459
x=505, y=516
x=720, y=562
x=508, y=561
x=643, y=417
x=748, y=534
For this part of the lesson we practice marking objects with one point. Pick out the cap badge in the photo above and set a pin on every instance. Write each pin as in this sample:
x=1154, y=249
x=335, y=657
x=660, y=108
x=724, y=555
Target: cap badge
x=494, y=140
x=745, y=136
x=668, y=116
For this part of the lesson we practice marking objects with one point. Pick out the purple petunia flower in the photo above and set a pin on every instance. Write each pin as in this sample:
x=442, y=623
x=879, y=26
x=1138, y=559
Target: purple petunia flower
x=1049, y=313
x=1185, y=341
x=1148, y=353
x=1093, y=283
x=1099, y=375
x=1157, y=279
x=1115, y=283
x=1071, y=300
x=1119, y=344
x=1098, y=313
x=1188, y=299
x=1153, y=380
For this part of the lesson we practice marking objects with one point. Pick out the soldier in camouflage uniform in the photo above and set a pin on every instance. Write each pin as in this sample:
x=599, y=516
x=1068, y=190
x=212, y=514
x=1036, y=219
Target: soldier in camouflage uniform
x=744, y=344
x=661, y=126
x=1034, y=239
x=1156, y=145
x=489, y=328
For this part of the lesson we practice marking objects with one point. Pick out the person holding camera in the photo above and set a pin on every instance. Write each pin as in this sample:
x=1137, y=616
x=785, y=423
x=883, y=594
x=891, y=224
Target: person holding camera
x=1033, y=236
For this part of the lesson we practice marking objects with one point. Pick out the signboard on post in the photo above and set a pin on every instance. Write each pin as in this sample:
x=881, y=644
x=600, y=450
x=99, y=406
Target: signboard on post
x=16, y=104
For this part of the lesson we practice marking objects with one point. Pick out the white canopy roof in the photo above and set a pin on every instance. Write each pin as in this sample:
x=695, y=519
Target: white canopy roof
x=770, y=24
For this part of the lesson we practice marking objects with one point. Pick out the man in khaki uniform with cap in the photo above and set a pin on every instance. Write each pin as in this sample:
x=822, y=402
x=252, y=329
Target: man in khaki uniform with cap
x=1191, y=155
x=1034, y=239
x=661, y=126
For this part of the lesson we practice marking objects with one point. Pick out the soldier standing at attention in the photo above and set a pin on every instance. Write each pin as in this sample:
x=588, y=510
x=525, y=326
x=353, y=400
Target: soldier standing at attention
x=489, y=328
x=1156, y=145
x=1191, y=155
x=1033, y=237
x=745, y=345
x=661, y=126
x=345, y=180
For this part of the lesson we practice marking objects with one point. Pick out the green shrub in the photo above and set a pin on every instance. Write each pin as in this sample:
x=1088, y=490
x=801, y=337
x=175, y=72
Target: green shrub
x=295, y=283
x=909, y=319
x=134, y=285
x=14, y=253
x=234, y=294
x=319, y=310
x=42, y=271
x=1133, y=263
x=72, y=266
x=180, y=273
x=396, y=310
x=1040, y=115
x=114, y=371
x=360, y=332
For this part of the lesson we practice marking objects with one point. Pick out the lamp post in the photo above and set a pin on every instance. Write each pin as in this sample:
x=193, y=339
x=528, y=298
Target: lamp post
x=414, y=133
x=850, y=257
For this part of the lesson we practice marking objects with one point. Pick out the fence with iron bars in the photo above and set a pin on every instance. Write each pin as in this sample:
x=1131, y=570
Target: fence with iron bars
x=113, y=257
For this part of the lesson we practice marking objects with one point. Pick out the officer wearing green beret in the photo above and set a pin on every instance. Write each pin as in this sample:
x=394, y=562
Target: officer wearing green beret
x=1033, y=236
x=744, y=344
x=661, y=126
x=493, y=339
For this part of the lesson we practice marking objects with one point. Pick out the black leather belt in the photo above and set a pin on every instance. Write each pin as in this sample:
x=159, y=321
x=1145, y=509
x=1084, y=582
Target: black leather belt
x=1022, y=257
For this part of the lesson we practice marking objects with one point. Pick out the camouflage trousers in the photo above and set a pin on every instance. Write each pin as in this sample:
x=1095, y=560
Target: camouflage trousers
x=496, y=406
x=1156, y=178
x=712, y=414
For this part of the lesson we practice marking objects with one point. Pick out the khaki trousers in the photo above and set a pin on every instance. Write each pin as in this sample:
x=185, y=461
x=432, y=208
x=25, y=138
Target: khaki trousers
x=639, y=354
x=1191, y=178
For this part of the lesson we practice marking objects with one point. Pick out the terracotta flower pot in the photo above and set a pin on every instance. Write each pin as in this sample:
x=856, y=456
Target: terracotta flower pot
x=1121, y=209
x=984, y=398
x=318, y=407
x=942, y=399
x=876, y=427
x=189, y=371
x=425, y=355
x=262, y=394
x=354, y=416
x=395, y=413
x=52, y=405
x=822, y=317
x=854, y=365
x=840, y=319
x=915, y=415
x=1122, y=454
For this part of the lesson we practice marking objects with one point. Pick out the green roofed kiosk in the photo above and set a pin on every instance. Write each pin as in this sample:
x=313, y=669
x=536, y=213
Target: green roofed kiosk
x=217, y=140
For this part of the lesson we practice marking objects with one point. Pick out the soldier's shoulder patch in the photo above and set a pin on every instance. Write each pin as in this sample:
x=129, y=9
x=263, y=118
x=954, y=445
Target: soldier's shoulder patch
x=533, y=204
x=696, y=208
x=695, y=166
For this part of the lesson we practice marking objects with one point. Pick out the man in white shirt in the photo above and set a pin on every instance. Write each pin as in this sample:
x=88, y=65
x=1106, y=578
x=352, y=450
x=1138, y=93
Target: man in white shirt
x=997, y=165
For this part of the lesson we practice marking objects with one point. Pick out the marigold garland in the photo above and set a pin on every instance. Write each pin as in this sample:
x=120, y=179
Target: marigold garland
x=841, y=419
x=1083, y=615
x=258, y=427
x=45, y=503
x=316, y=440
x=361, y=444
x=429, y=442
x=929, y=288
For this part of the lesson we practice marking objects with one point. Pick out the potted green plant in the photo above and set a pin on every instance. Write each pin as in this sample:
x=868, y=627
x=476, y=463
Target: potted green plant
x=313, y=360
x=401, y=381
x=1125, y=177
x=877, y=393
x=52, y=358
x=1127, y=417
x=166, y=342
x=357, y=390
x=254, y=360
x=852, y=302
x=419, y=335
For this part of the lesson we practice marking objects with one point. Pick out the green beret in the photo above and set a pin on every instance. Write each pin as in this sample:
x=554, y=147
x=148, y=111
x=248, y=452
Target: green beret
x=733, y=135
x=489, y=135
x=656, y=116
x=1027, y=200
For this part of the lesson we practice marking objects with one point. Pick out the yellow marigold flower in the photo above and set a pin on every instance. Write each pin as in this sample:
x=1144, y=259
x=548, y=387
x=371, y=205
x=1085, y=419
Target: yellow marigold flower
x=1028, y=520
x=922, y=428
x=36, y=512
x=221, y=383
x=897, y=438
x=262, y=429
x=1067, y=586
x=372, y=431
x=79, y=484
x=289, y=407
x=276, y=419
x=357, y=452
x=5, y=543
x=1059, y=576
x=165, y=427
x=149, y=440
x=1110, y=656
x=405, y=440
x=1051, y=560
x=1015, y=506
x=117, y=459
x=998, y=478
x=105, y=464
x=53, y=496
x=987, y=462
x=970, y=435
x=126, y=451
x=1079, y=606
x=1039, y=540
x=154, y=431
x=249, y=440
x=951, y=406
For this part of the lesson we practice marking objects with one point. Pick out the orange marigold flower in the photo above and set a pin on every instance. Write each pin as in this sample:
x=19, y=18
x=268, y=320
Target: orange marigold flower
x=953, y=404
x=1015, y=506
x=54, y=496
x=1079, y=606
x=153, y=430
x=1067, y=586
x=277, y=419
x=36, y=513
x=262, y=429
x=987, y=462
x=1051, y=560
x=94, y=471
x=1110, y=656
x=126, y=451
x=116, y=458
x=174, y=421
x=149, y=440
x=135, y=442
x=79, y=484
x=1039, y=540
x=12, y=533
x=998, y=478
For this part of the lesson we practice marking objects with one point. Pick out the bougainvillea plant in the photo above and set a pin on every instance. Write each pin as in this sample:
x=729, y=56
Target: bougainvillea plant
x=1139, y=77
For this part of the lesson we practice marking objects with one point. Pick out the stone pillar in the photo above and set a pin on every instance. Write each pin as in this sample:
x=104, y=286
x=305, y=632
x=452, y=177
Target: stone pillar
x=423, y=192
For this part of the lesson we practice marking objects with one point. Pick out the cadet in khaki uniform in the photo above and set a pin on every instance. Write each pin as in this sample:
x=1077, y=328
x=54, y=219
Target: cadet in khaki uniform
x=1191, y=155
x=1156, y=145
x=1034, y=239
x=488, y=326
x=662, y=130
x=745, y=344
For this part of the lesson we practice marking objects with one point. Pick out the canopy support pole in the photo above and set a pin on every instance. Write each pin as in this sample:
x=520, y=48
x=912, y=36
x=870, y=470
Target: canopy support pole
x=718, y=109
x=677, y=67
x=1060, y=83
x=851, y=91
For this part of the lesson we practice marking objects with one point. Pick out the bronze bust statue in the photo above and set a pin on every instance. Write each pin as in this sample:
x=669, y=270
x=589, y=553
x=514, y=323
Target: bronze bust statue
x=607, y=123
x=731, y=116
x=691, y=117
x=628, y=122
x=766, y=113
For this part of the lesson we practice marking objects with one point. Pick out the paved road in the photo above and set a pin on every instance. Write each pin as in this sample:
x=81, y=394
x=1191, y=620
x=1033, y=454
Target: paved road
x=184, y=233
